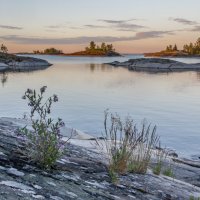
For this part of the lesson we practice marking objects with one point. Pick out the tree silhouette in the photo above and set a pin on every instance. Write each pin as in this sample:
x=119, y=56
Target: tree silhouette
x=175, y=48
x=4, y=49
x=92, y=45
x=103, y=46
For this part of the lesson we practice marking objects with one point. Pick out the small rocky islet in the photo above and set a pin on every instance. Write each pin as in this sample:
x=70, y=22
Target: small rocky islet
x=92, y=50
x=82, y=174
x=156, y=65
x=11, y=62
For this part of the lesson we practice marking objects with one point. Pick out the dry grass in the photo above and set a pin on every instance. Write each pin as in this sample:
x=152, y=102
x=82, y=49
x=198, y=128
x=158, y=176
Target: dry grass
x=160, y=156
x=141, y=156
x=128, y=149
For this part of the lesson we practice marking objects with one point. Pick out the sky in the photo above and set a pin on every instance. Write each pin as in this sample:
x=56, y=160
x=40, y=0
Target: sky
x=132, y=26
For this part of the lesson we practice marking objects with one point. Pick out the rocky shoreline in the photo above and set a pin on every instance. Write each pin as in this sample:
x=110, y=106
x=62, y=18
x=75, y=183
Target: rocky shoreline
x=82, y=174
x=10, y=62
x=156, y=65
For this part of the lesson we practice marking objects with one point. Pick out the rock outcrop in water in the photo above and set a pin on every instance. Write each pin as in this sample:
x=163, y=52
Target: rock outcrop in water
x=155, y=64
x=10, y=62
x=81, y=174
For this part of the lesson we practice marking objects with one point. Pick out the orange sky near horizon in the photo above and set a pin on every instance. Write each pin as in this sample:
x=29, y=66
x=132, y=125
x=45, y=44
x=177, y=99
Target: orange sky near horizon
x=132, y=26
x=140, y=46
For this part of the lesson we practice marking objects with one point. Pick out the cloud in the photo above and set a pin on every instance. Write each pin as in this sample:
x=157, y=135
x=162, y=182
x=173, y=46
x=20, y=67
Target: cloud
x=183, y=21
x=152, y=34
x=10, y=27
x=54, y=26
x=123, y=25
x=119, y=25
x=94, y=26
x=84, y=39
x=128, y=27
x=57, y=26
x=75, y=27
x=115, y=21
x=196, y=28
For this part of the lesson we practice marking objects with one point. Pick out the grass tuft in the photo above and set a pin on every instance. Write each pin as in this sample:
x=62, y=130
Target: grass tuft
x=127, y=148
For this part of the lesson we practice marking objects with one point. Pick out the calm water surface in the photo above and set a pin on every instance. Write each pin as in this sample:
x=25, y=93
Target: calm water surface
x=86, y=87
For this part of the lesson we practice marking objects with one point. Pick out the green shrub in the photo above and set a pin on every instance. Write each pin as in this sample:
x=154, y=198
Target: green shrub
x=44, y=141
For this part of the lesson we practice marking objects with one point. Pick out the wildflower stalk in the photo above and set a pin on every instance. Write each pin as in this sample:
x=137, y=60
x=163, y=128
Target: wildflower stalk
x=45, y=144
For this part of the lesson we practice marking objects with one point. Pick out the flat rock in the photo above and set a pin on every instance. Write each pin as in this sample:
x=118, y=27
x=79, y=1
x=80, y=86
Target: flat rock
x=65, y=131
x=156, y=64
x=80, y=174
x=11, y=62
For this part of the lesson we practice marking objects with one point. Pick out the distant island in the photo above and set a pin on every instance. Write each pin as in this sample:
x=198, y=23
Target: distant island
x=92, y=50
x=49, y=51
x=96, y=50
x=189, y=50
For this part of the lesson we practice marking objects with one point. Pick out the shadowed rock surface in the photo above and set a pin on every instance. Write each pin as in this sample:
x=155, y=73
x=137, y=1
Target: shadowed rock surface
x=10, y=62
x=156, y=64
x=80, y=174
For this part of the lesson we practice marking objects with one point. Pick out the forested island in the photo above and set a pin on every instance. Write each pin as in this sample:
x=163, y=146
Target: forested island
x=188, y=50
x=92, y=50
x=96, y=50
x=50, y=51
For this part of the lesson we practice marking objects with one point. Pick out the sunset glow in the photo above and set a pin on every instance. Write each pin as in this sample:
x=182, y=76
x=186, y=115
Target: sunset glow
x=132, y=26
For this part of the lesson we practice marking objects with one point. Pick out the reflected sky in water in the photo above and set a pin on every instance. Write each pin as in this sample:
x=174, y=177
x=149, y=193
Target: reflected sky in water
x=86, y=87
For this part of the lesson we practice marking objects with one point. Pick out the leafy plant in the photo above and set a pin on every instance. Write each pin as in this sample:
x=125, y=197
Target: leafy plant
x=44, y=142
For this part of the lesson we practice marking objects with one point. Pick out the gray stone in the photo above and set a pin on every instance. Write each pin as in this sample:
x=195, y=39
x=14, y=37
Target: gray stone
x=11, y=62
x=81, y=175
x=156, y=65
x=15, y=172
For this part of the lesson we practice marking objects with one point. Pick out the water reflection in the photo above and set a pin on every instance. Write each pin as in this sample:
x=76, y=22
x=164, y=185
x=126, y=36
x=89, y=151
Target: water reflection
x=96, y=67
x=198, y=75
x=92, y=67
x=106, y=67
x=4, y=78
x=86, y=88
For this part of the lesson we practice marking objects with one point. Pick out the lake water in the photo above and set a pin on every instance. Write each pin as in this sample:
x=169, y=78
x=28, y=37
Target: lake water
x=86, y=87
